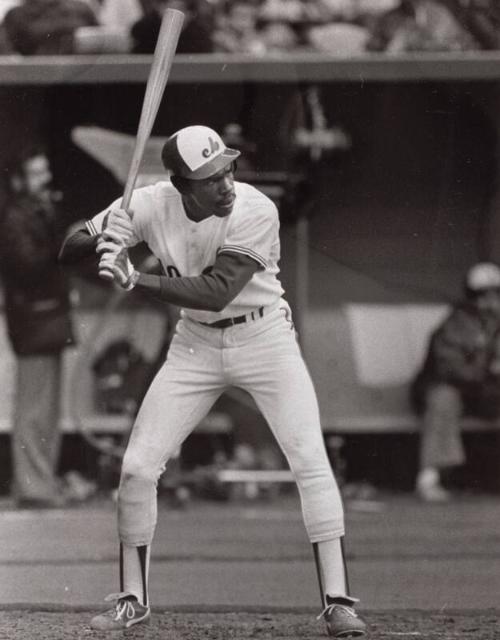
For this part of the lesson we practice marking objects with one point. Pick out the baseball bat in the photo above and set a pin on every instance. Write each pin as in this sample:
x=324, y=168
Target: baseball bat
x=168, y=37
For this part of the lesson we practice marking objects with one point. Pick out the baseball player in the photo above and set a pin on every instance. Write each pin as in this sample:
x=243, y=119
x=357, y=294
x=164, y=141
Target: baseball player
x=218, y=243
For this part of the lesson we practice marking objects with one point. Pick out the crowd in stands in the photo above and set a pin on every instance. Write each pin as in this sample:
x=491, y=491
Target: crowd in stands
x=255, y=27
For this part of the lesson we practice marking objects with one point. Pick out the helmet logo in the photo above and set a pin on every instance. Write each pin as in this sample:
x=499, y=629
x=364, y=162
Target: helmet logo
x=214, y=146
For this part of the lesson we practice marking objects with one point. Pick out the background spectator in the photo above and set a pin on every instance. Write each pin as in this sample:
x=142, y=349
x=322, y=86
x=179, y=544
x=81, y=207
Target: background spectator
x=236, y=28
x=481, y=18
x=419, y=25
x=37, y=308
x=6, y=5
x=46, y=27
x=460, y=375
x=120, y=13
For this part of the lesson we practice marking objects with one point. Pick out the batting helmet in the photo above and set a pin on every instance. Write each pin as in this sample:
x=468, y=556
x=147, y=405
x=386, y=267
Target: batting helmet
x=196, y=153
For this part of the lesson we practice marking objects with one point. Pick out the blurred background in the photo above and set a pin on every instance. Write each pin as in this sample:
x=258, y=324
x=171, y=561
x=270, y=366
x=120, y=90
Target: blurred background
x=374, y=126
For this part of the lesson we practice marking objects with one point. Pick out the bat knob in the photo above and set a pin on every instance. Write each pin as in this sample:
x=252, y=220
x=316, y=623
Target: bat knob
x=105, y=274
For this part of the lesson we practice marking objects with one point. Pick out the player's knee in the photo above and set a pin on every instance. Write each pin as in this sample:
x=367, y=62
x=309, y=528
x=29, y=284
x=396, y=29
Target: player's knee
x=308, y=460
x=135, y=471
x=135, y=489
x=315, y=480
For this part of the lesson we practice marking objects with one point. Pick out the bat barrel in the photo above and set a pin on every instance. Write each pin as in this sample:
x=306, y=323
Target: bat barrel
x=168, y=37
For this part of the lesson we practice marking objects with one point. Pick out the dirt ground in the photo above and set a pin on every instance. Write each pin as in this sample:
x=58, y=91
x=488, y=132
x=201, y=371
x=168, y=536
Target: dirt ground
x=28, y=624
x=239, y=570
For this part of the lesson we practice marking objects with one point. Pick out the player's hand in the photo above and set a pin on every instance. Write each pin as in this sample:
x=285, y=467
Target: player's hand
x=118, y=227
x=110, y=247
x=114, y=264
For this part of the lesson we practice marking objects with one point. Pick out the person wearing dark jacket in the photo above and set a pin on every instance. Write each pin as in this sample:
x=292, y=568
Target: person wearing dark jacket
x=39, y=326
x=460, y=376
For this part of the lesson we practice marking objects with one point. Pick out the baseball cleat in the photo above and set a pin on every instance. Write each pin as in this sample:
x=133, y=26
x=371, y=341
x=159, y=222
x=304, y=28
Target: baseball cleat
x=434, y=493
x=342, y=621
x=126, y=612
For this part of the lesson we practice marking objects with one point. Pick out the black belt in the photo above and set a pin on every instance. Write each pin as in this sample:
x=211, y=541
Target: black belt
x=229, y=322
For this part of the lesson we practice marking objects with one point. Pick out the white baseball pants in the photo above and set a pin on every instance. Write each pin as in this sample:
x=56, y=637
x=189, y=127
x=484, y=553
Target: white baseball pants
x=261, y=357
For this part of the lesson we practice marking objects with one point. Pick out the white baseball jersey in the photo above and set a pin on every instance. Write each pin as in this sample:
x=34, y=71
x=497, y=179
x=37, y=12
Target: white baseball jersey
x=188, y=248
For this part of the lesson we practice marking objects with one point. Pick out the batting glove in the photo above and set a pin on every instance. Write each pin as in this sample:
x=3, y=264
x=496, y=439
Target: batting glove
x=118, y=227
x=115, y=264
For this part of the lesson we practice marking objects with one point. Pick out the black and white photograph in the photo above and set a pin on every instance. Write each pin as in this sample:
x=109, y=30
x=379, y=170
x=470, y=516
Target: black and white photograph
x=249, y=319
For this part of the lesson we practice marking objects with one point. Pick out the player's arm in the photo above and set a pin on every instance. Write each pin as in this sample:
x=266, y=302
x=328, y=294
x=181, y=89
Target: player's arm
x=77, y=246
x=81, y=242
x=208, y=292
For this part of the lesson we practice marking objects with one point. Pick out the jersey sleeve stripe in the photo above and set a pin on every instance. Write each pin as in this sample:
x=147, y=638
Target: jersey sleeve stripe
x=91, y=228
x=231, y=248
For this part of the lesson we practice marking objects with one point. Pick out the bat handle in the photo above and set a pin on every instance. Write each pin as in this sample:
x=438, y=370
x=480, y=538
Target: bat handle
x=127, y=195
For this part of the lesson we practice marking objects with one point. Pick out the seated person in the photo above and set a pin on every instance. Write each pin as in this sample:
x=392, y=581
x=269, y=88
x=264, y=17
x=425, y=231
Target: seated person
x=460, y=376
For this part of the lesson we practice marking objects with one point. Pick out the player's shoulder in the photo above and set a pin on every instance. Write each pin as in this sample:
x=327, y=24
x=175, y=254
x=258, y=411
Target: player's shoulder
x=251, y=193
x=163, y=189
x=250, y=198
x=157, y=197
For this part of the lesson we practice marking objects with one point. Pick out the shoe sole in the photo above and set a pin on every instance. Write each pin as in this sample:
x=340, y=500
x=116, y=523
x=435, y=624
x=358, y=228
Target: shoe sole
x=354, y=633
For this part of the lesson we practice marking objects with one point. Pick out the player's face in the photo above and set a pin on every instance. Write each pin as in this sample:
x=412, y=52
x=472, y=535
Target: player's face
x=489, y=302
x=216, y=194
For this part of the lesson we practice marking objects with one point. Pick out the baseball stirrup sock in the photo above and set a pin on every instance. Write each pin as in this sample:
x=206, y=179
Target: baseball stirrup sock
x=134, y=571
x=331, y=568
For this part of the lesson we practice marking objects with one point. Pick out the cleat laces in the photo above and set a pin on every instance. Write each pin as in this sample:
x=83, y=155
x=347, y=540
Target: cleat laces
x=328, y=610
x=124, y=608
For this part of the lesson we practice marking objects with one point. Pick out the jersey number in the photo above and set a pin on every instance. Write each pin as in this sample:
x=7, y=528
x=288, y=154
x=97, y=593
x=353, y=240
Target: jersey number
x=172, y=271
